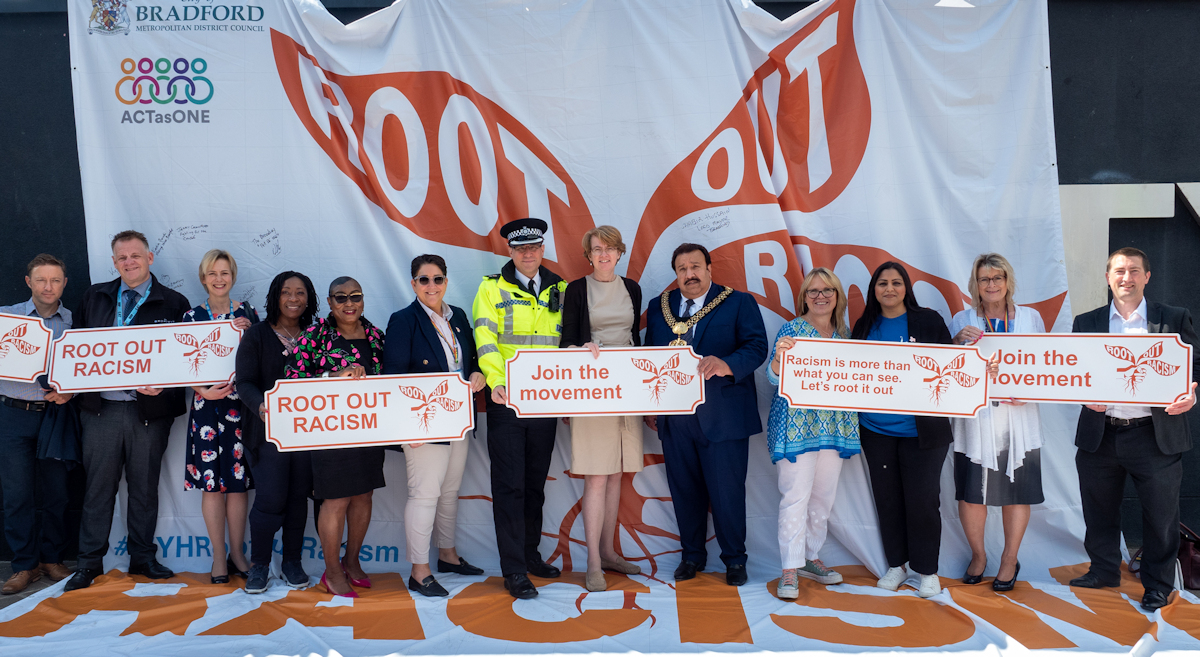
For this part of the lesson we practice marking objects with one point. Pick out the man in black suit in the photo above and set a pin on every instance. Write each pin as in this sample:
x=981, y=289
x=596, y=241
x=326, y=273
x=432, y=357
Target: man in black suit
x=1147, y=443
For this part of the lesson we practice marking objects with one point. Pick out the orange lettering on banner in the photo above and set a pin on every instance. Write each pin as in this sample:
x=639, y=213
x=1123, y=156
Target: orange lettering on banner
x=385, y=611
x=926, y=624
x=1016, y=621
x=710, y=611
x=156, y=614
x=486, y=609
x=1107, y=614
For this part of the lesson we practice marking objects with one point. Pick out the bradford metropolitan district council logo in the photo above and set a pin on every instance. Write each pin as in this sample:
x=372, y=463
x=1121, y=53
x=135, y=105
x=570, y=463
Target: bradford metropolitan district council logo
x=108, y=17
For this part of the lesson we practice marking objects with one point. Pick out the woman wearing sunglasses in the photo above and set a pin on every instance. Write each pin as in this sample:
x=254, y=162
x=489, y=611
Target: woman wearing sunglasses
x=430, y=335
x=808, y=445
x=343, y=344
x=602, y=309
x=997, y=454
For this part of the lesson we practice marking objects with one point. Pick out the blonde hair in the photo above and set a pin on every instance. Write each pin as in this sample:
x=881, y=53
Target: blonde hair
x=608, y=235
x=839, y=306
x=999, y=263
x=210, y=259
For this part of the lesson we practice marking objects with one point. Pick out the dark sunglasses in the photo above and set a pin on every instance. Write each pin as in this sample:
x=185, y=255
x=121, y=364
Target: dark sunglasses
x=340, y=299
x=424, y=280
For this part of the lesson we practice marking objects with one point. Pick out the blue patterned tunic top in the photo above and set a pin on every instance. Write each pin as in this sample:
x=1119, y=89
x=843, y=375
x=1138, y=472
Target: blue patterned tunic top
x=794, y=431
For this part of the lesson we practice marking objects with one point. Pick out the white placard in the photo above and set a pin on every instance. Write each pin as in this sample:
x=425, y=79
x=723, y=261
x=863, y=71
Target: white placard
x=884, y=377
x=24, y=347
x=1154, y=369
x=622, y=381
x=152, y=356
x=376, y=410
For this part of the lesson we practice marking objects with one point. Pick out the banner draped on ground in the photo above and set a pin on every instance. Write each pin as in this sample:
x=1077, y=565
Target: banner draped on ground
x=852, y=133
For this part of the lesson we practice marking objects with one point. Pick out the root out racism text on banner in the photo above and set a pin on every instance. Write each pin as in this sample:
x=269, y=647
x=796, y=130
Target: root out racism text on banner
x=1090, y=368
x=622, y=381
x=327, y=413
x=153, y=356
x=24, y=347
x=884, y=377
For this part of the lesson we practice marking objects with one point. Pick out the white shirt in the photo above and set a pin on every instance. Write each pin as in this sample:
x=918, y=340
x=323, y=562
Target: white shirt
x=442, y=323
x=537, y=280
x=1136, y=324
x=696, y=306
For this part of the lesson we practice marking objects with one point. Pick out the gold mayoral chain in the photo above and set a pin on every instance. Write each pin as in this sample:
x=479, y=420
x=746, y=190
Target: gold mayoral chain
x=680, y=328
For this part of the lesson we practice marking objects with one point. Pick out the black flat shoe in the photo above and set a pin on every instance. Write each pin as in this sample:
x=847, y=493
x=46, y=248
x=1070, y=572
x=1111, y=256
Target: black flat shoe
x=462, y=567
x=1007, y=585
x=219, y=579
x=1090, y=580
x=968, y=578
x=735, y=575
x=81, y=579
x=519, y=586
x=233, y=570
x=1154, y=600
x=542, y=569
x=152, y=569
x=428, y=587
x=687, y=570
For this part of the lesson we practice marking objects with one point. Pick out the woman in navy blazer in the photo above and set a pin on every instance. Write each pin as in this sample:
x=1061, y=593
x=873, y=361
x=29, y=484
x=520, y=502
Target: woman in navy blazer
x=432, y=336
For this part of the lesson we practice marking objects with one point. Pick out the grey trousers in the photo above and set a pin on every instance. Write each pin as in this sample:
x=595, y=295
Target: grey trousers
x=117, y=441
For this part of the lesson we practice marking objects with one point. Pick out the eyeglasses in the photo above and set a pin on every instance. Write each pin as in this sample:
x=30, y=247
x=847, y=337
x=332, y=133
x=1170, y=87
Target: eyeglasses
x=601, y=250
x=340, y=299
x=988, y=282
x=424, y=280
x=527, y=248
x=828, y=293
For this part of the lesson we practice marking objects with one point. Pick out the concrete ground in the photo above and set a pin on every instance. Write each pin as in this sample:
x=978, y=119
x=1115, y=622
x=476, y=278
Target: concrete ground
x=6, y=572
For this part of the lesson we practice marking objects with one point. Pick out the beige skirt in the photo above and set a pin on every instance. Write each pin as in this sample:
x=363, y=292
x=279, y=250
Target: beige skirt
x=606, y=445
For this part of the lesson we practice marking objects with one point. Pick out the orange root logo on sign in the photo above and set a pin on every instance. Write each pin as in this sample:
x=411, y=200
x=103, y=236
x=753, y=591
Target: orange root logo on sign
x=1135, y=372
x=435, y=155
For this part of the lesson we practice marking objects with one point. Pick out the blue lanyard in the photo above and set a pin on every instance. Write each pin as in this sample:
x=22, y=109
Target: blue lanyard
x=122, y=318
x=214, y=317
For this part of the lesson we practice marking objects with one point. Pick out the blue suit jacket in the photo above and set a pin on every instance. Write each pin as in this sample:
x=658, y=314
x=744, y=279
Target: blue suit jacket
x=733, y=332
x=413, y=347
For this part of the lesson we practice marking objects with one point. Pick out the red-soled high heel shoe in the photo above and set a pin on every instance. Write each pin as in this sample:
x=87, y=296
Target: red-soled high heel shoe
x=351, y=594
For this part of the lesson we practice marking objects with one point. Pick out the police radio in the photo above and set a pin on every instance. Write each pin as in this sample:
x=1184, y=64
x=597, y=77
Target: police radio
x=555, y=302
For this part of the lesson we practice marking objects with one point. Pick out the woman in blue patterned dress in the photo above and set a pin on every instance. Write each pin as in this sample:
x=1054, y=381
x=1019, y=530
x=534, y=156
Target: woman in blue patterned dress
x=216, y=458
x=808, y=444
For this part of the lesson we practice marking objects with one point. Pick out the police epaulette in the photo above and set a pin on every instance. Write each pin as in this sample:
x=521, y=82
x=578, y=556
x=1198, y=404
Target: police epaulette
x=492, y=277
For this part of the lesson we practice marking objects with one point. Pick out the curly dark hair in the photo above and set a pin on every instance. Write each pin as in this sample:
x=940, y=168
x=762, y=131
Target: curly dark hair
x=276, y=291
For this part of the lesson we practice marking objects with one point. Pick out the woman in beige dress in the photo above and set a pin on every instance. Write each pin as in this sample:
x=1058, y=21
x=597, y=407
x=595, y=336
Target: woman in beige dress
x=601, y=310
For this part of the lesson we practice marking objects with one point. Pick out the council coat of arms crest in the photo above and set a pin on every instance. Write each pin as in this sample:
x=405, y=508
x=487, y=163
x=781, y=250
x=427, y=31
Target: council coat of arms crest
x=108, y=17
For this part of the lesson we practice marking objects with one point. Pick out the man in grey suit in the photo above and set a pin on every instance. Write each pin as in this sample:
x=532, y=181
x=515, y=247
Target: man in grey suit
x=1144, y=442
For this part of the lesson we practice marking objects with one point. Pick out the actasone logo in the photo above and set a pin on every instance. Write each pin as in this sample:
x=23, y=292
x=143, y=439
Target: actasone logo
x=164, y=81
x=438, y=157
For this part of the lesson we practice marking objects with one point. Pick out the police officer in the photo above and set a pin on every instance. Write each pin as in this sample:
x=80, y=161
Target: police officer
x=519, y=308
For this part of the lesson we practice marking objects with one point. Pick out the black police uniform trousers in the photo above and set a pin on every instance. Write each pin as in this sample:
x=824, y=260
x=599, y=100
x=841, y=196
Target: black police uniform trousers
x=520, y=451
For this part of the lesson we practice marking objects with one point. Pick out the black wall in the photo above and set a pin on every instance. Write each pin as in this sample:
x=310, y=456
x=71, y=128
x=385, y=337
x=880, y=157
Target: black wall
x=1125, y=88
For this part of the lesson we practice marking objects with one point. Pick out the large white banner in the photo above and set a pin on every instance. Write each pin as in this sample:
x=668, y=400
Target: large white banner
x=853, y=133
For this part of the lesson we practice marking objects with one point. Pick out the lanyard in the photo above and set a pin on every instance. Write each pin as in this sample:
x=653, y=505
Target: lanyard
x=122, y=318
x=214, y=317
x=453, y=344
x=1001, y=323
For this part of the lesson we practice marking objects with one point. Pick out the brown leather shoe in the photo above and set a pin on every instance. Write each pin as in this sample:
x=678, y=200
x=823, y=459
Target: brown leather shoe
x=20, y=581
x=55, y=572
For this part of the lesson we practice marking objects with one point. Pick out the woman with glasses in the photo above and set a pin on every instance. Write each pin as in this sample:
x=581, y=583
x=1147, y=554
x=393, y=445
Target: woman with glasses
x=904, y=453
x=997, y=454
x=343, y=344
x=283, y=480
x=430, y=335
x=808, y=445
x=215, y=452
x=602, y=309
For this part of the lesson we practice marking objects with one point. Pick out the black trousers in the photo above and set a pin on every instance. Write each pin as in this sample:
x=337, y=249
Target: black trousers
x=906, y=484
x=282, y=483
x=703, y=474
x=520, y=450
x=117, y=441
x=1157, y=478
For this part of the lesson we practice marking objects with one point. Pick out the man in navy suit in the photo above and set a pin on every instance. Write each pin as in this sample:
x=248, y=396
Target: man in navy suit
x=1142, y=442
x=706, y=453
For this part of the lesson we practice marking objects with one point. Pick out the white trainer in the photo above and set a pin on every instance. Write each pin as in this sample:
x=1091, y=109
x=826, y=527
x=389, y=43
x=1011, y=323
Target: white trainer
x=893, y=578
x=789, y=585
x=930, y=586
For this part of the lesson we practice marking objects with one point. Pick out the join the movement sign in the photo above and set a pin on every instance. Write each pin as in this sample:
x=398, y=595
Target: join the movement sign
x=152, y=356
x=1090, y=368
x=24, y=347
x=884, y=377
x=377, y=410
x=622, y=381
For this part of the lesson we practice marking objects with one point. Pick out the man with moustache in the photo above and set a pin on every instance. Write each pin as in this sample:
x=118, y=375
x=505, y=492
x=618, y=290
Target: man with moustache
x=25, y=478
x=125, y=430
x=706, y=453
x=519, y=308
x=1147, y=443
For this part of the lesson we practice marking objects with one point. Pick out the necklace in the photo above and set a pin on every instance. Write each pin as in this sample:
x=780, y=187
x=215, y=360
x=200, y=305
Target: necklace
x=681, y=328
x=289, y=341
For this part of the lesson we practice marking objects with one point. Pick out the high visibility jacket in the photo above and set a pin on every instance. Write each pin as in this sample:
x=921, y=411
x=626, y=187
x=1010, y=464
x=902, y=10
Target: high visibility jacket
x=508, y=318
